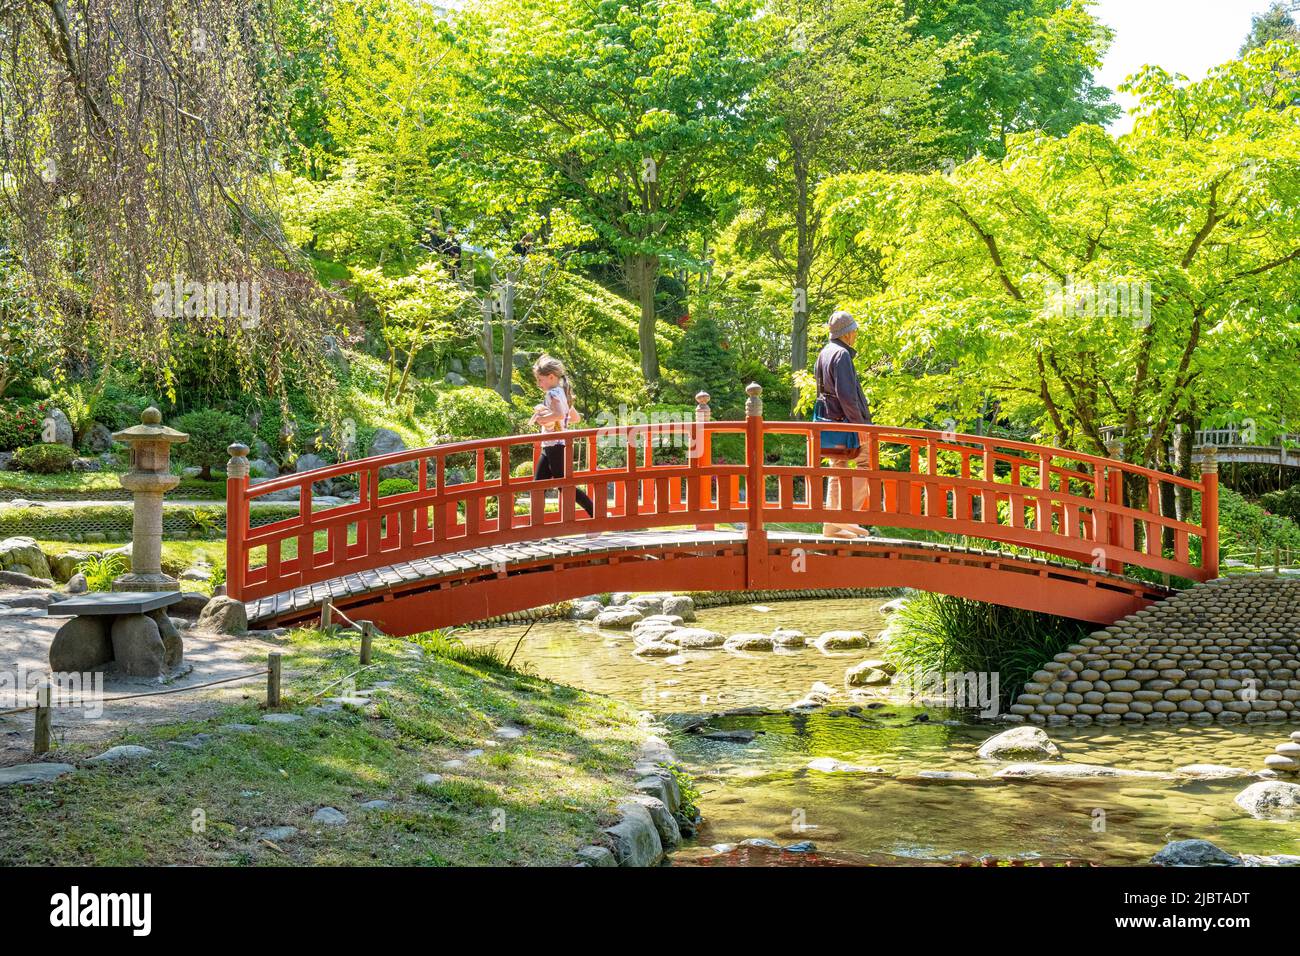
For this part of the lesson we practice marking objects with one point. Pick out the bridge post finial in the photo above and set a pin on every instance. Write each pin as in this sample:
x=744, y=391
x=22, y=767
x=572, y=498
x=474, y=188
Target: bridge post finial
x=1209, y=459
x=238, y=466
x=1114, y=447
x=702, y=411
x=754, y=400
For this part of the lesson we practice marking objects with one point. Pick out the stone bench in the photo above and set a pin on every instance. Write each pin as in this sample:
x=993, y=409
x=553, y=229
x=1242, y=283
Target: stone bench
x=127, y=629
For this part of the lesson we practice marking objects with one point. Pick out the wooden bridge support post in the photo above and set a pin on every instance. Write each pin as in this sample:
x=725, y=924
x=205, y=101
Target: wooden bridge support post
x=1114, y=491
x=702, y=447
x=237, y=471
x=1210, y=510
x=756, y=563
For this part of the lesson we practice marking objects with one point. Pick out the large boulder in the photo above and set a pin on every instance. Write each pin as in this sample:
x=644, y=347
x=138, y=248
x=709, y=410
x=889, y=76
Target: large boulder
x=670, y=833
x=680, y=605
x=586, y=610
x=635, y=837
x=64, y=566
x=62, y=427
x=99, y=439
x=618, y=618
x=82, y=644
x=1019, y=743
x=138, y=649
x=224, y=615
x=1271, y=800
x=24, y=556
x=1194, y=853
x=386, y=441
x=173, y=649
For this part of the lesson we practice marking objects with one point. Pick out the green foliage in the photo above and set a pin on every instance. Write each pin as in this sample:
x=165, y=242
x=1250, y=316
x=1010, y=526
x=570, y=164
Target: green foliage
x=936, y=634
x=446, y=644
x=20, y=424
x=472, y=412
x=1246, y=528
x=211, y=433
x=26, y=339
x=102, y=569
x=396, y=486
x=706, y=365
x=1285, y=502
x=44, y=458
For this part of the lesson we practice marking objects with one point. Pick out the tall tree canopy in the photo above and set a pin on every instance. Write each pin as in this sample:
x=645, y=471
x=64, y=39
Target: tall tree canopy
x=1023, y=280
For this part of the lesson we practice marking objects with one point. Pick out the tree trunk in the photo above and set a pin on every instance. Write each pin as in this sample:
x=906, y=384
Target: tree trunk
x=802, y=272
x=644, y=272
x=506, y=381
x=485, y=344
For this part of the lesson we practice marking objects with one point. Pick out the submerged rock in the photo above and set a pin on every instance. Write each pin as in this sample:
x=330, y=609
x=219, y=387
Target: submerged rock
x=831, y=765
x=1019, y=743
x=1072, y=772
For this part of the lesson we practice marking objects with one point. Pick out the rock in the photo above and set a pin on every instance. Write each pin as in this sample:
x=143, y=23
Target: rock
x=77, y=584
x=1019, y=743
x=328, y=816
x=62, y=427
x=223, y=615
x=138, y=649
x=263, y=468
x=731, y=736
x=23, y=555
x=891, y=607
x=235, y=728
x=680, y=605
x=41, y=598
x=27, y=773
x=819, y=695
x=1211, y=771
x=455, y=378
x=618, y=598
x=617, y=618
x=661, y=785
x=431, y=780
x=586, y=610
x=508, y=733
x=64, y=566
x=1271, y=800
x=191, y=604
x=670, y=834
x=647, y=604
x=1281, y=763
x=99, y=439
x=597, y=856
x=867, y=673
x=1071, y=772
x=1193, y=853
x=20, y=580
x=196, y=574
x=788, y=637
x=173, y=649
x=694, y=637
x=477, y=366
x=277, y=834
x=86, y=464
x=635, y=837
x=377, y=805
x=279, y=719
x=841, y=640
x=749, y=642
x=82, y=644
x=831, y=765
x=656, y=649
x=121, y=753
x=385, y=441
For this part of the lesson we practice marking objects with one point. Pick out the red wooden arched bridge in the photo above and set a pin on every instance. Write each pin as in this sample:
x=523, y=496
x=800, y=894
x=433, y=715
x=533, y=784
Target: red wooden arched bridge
x=698, y=505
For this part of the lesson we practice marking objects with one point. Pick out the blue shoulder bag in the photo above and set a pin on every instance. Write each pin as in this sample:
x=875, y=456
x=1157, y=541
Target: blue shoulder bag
x=838, y=443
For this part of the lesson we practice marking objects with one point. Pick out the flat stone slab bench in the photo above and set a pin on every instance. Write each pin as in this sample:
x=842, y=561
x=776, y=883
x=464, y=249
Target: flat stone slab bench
x=114, y=603
x=129, y=630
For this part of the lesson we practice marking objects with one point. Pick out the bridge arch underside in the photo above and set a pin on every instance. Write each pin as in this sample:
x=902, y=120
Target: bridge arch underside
x=448, y=590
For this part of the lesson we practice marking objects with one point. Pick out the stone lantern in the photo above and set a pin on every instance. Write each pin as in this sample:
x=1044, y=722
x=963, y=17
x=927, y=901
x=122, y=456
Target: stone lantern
x=149, y=478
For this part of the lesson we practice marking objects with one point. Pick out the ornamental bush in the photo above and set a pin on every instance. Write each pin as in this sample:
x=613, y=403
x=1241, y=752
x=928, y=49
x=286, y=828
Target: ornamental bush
x=45, y=459
x=211, y=432
x=20, y=425
x=473, y=412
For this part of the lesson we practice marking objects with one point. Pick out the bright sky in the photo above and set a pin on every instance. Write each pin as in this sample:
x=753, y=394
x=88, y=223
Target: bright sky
x=1183, y=36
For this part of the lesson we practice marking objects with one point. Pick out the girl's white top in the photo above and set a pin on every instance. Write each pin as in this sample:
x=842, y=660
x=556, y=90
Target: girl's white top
x=557, y=403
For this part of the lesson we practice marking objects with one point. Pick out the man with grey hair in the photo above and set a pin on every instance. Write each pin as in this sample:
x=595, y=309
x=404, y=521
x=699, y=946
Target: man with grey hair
x=840, y=399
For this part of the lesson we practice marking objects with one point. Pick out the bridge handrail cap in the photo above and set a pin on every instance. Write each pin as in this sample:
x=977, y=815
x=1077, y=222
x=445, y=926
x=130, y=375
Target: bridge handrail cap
x=753, y=389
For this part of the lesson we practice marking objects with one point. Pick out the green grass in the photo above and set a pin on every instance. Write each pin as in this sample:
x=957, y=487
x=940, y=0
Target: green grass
x=529, y=801
x=72, y=481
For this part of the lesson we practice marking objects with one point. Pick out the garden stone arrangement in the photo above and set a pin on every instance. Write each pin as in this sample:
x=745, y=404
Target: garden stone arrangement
x=1227, y=651
x=129, y=630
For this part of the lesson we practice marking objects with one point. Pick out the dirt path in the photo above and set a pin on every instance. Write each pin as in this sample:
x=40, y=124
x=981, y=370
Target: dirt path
x=24, y=649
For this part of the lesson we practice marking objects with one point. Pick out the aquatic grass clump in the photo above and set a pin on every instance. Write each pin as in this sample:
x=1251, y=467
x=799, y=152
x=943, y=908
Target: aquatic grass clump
x=938, y=634
x=446, y=644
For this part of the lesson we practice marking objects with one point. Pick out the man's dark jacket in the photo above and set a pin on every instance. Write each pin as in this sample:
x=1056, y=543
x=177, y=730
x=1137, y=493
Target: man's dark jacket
x=837, y=383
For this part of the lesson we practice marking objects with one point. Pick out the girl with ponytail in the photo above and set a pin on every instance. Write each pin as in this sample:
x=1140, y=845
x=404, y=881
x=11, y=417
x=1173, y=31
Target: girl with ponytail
x=555, y=414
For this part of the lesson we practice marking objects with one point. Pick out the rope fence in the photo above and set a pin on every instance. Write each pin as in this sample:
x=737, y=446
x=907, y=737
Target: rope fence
x=45, y=705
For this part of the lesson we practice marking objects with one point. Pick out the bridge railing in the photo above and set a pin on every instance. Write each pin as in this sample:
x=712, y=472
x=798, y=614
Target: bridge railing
x=700, y=474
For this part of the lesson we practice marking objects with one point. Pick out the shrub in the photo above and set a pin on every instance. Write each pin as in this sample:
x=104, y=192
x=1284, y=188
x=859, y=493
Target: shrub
x=20, y=425
x=473, y=412
x=938, y=634
x=1285, y=503
x=396, y=486
x=211, y=432
x=45, y=459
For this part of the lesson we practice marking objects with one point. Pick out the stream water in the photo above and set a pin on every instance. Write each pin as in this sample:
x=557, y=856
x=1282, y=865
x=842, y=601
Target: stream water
x=765, y=788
